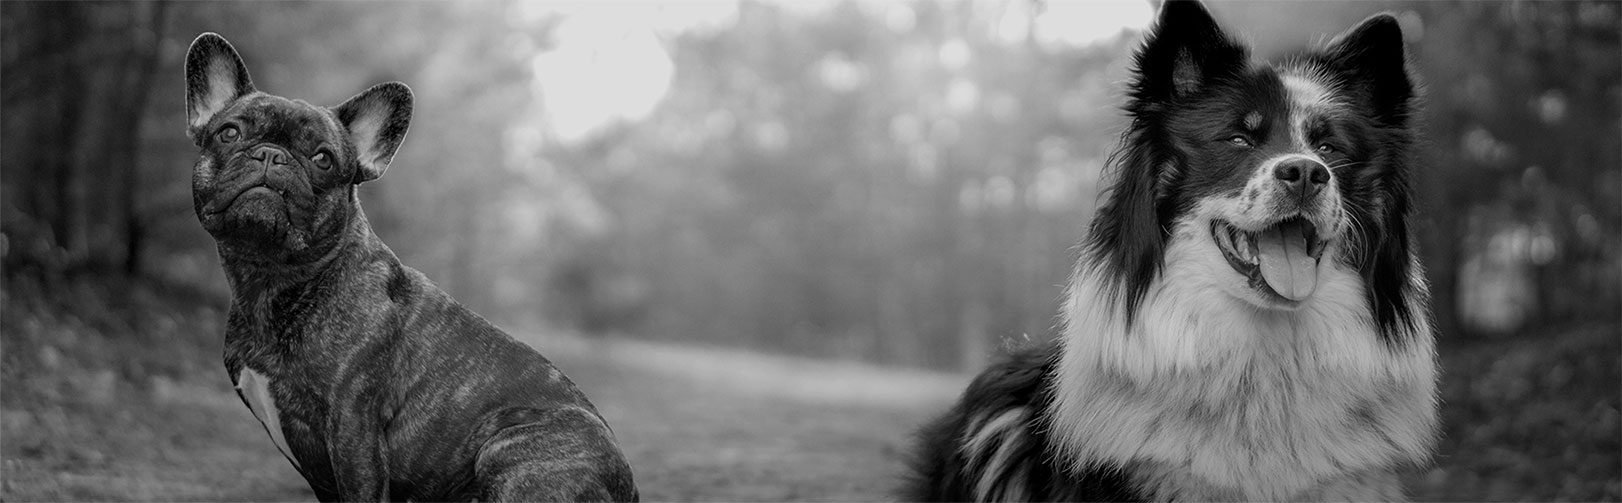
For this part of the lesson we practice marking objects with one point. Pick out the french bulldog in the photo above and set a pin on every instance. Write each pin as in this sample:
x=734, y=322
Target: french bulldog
x=374, y=383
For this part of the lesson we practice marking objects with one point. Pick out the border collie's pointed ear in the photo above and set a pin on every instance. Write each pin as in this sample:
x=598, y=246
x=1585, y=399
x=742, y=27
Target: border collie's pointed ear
x=1371, y=65
x=376, y=121
x=1183, y=53
x=1370, y=57
x=1182, y=56
x=215, y=77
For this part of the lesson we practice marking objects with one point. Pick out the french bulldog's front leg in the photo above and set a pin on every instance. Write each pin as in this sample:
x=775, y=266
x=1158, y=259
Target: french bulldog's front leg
x=355, y=443
x=359, y=462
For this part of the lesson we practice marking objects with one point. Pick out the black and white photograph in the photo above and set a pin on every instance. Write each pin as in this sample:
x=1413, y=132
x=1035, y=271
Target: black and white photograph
x=811, y=250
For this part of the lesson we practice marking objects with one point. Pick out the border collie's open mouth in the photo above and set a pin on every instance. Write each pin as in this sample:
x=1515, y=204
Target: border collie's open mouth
x=1281, y=259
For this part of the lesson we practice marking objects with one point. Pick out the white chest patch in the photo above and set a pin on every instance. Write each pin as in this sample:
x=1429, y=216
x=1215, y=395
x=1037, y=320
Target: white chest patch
x=254, y=388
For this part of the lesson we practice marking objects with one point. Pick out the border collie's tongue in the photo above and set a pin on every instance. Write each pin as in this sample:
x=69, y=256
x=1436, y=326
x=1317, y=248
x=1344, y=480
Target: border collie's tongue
x=1285, y=264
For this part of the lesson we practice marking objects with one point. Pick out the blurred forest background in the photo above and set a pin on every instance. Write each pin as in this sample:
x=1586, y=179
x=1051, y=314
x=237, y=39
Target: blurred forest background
x=899, y=183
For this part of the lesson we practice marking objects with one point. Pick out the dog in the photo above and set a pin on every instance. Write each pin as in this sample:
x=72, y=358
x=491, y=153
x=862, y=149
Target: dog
x=1248, y=320
x=373, y=382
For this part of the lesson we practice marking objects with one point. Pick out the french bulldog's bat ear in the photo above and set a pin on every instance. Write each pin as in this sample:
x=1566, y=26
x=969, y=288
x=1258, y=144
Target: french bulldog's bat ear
x=215, y=77
x=1370, y=57
x=376, y=121
x=1185, y=51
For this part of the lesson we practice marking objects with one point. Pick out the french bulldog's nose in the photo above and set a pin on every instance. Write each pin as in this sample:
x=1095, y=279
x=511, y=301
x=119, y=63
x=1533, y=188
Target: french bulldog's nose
x=269, y=155
x=1303, y=176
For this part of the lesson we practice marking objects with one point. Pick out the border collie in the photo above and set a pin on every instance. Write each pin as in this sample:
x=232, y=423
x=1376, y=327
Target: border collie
x=1248, y=320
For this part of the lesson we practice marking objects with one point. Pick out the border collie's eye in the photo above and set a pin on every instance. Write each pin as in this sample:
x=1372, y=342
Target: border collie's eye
x=322, y=159
x=228, y=134
x=1325, y=149
x=1240, y=140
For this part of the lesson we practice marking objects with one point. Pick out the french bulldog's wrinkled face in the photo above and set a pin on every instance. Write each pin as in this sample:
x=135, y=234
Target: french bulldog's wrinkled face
x=276, y=178
x=274, y=173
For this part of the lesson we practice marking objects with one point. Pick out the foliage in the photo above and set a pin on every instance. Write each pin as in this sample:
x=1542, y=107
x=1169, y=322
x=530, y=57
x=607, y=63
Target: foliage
x=898, y=182
x=1530, y=420
x=114, y=390
x=833, y=185
x=1525, y=184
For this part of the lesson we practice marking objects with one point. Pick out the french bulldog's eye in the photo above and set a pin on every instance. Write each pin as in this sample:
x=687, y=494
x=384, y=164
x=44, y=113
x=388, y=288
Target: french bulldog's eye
x=228, y=134
x=322, y=159
x=1240, y=140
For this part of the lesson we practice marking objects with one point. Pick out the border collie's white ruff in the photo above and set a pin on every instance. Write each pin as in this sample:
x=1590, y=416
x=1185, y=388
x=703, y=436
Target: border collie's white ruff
x=1249, y=320
x=1282, y=400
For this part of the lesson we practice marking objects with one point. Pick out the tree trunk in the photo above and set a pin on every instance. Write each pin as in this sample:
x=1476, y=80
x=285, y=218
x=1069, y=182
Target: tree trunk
x=143, y=65
x=63, y=113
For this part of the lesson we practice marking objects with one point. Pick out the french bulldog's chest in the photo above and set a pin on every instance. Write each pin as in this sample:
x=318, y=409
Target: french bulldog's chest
x=254, y=389
x=288, y=397
x=292, y=416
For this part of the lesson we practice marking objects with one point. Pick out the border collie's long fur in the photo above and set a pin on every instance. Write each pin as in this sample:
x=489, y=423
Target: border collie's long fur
x=1249, y=320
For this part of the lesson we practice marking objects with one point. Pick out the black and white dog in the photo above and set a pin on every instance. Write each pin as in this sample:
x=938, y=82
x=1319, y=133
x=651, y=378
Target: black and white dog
x=1249, y=320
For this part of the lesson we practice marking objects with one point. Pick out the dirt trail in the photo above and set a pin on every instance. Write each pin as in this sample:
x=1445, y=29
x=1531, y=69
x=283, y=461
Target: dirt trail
x=708, y=425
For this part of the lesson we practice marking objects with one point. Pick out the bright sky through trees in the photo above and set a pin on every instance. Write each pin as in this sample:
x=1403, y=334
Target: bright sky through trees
x=609, y=63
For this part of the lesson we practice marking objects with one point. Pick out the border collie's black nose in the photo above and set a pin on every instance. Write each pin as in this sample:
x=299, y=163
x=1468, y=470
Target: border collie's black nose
x=1304, y=176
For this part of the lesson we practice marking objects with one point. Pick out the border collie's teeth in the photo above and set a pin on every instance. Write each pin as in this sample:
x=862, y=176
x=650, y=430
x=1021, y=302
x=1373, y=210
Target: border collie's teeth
x=1242, y=243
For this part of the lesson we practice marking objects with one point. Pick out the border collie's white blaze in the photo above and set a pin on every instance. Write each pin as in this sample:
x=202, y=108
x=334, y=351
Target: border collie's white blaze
x=1249, y=319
